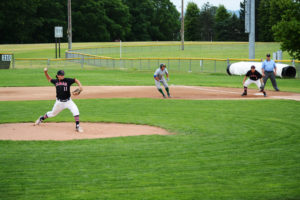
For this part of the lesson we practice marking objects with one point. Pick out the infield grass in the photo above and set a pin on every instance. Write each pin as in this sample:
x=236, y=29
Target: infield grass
x=97, y=76
x=222, y=150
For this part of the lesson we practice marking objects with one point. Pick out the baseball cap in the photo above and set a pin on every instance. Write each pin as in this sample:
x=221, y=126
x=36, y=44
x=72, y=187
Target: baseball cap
x=252, y=67
x=162, y=65
x=268, y=55
x=61, y=73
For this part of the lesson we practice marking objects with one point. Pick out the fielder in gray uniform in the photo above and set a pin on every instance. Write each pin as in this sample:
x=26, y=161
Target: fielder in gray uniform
x=159, y=78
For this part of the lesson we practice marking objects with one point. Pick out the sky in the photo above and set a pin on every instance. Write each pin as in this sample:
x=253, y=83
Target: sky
x=229, y=4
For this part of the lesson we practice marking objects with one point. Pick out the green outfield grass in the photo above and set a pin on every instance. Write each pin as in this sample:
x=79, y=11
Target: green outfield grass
x=246, y=149
x=94, y=76
x=193, y=49
x=222, y=150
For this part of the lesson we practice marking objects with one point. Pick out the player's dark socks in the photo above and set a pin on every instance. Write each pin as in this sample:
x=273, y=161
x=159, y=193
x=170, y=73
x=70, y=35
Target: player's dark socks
x=44, y=117
x=160, y=90
x=76, y=120
x=245, y=91
x=167, y=89
x=265, y=94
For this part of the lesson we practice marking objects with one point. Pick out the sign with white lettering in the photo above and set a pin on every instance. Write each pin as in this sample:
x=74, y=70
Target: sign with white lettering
x=58, y=32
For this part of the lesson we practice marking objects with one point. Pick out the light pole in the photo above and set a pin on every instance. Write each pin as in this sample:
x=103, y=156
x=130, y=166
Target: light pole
x=250, y=26
x=69, y=25
x=182, y=25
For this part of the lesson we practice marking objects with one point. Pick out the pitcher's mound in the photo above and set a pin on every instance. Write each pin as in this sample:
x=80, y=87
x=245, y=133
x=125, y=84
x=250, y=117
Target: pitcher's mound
x=66, y=131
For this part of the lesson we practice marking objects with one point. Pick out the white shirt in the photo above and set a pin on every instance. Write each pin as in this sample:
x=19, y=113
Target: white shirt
x=160, y=74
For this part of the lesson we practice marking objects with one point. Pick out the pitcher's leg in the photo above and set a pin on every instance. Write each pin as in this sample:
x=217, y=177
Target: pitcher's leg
x=57, y=108
x=75, y=111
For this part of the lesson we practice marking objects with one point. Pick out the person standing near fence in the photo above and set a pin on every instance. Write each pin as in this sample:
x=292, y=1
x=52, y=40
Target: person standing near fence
x=269, y=71
x=159, y=78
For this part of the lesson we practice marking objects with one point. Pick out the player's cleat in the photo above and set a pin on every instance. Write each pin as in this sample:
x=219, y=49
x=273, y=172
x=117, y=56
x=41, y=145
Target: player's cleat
x=265, y=94
x=277, y=90
x=169, y=96
x=79, y=129
x=244, y=94
x=38, y=121
x=164, y=96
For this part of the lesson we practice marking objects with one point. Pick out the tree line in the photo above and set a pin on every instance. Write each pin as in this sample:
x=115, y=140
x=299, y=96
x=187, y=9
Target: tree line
x=275, y=20
x=33, y=21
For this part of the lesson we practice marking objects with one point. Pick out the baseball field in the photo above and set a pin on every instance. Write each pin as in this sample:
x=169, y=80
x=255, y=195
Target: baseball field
x=216, y=148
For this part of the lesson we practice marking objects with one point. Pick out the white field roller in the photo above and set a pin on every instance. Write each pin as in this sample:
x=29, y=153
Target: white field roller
x=241, y=68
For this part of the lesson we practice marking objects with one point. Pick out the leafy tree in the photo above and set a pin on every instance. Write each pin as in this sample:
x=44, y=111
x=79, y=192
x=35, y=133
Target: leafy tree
x=165, y=23
x=18, y=21
x=207, y=21
x=141, y=13
x=118, y=19
x=287, y=30
x=264, y=24
x=241, y=24
x=51, y=13
x=192, y=22
x=89, y=21
x=222, y=27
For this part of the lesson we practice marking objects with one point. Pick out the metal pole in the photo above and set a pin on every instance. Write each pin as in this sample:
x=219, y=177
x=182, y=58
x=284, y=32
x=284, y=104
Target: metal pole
x=59, y=47
x=182, y=26
x=252, y=30
x=69, y=25
x=55, y=47
x=120, y=48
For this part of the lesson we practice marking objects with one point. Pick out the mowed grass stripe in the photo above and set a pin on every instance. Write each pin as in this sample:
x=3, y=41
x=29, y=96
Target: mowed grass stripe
x=96, y=76
x=222, y=150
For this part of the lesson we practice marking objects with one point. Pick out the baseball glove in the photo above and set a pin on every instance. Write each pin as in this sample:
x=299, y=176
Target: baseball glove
x=76, y=92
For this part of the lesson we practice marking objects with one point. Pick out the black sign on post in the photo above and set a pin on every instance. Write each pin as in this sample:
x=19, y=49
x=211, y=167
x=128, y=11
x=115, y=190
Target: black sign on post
x=58, y=33
x=5, y=60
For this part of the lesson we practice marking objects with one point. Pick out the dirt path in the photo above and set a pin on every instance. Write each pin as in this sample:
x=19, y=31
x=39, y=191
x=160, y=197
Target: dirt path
x=178, y=92
x=66, y=131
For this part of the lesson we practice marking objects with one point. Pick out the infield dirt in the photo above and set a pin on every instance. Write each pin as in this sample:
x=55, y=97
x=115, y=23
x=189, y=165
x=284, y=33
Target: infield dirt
x=177, y=92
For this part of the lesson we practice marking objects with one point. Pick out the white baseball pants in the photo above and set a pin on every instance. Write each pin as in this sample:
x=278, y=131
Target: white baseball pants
x=60, y=106
x=163, y=81
x=249, y=81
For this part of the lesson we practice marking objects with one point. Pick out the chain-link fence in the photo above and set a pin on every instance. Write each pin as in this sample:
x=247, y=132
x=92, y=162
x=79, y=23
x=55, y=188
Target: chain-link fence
x=79, y=60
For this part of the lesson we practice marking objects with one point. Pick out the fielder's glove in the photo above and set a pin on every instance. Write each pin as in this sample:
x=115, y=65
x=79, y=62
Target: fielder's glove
x=76, y=92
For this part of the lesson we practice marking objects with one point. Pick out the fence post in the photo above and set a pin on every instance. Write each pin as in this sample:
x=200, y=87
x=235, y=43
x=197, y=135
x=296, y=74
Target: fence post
x=293, y=62
x=298, y=70
x=82, y=62
x=215, y=66
x=48, y=63
x=201, y=65
x=169, y=63
x=140, y=63
x=179, y=63
x=190, y=70
x=13, y=61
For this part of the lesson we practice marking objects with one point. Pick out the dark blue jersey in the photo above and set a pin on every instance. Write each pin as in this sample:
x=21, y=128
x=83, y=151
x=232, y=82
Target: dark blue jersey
x=63, y=88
